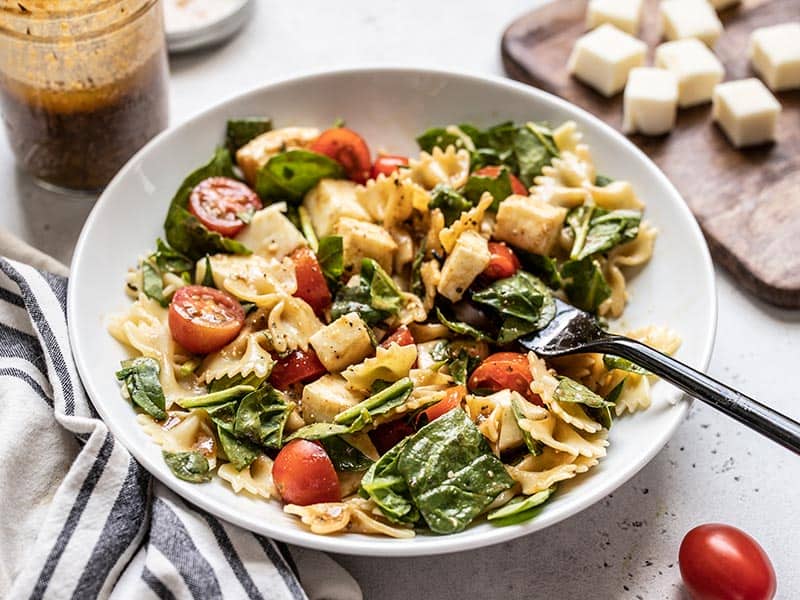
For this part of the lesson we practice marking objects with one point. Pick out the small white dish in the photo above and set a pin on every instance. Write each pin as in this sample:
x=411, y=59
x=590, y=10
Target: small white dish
x=194, y=24
x=389, y=107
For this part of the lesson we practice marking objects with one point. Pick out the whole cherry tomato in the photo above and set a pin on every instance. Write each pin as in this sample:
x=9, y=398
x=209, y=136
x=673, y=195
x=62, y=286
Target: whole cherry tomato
x=347, y=148
x=304, y=474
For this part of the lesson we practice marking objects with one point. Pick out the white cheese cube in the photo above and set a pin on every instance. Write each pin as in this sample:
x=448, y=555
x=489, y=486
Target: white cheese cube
x=270, y=233
x=470, y=256
x=529, y=223
x=342, y=343
x=330, y=200
x=775, y=54
x=325, y=398
x=650, y=101
x=603, y=58
x=746, y=111
x=690, y=19
x=361, y=239
x=622, y=14
x=695, y=66
x=255, y=154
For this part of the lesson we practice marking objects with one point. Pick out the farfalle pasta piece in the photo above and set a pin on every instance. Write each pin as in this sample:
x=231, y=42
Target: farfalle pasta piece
x=662, y=339
x=587, y=369
x=182, y=432
x=544, y=382
x=567, y=137
x=635, y=394
x=537, y=473
x=248, y=354
x=469, y=221
x=388, y=364
x=390, y=199
x=252, y=278
x=291, y=323
x=255, y=479
x=559, y=435
x=494, y=416
x=448, y=167
x=352, y=515
x=573, y=414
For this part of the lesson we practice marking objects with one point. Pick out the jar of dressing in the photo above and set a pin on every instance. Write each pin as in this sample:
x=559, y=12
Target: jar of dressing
x=83, y=85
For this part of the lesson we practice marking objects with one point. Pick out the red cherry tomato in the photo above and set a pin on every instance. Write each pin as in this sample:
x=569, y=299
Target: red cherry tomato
x=387, y=164
x=386, y=436
x=217, y=202
x=401, y=336
x=311, y=284
x=517, y=187
x=347, y=148
x=452, y=399
x=202, y=319
x=296, y=367
x=304, y=474
x=503, y=263
x=720, y=562
x=504, y=371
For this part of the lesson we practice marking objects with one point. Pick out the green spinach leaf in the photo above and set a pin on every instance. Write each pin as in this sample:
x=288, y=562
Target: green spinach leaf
x=152, y=284
x=451, y=472
x=520, y=509
x=384, y=484
x=289, y=175
x=543, y=267
x=462, y=328
x=499, y=187
x=596, y=230
x=533, y=149
x=344, y=456
x=241, y=453
x=319, y=431
x=224, y=415
x=602, y=180
x=569, y=390
x=584, y=283
x=417, y=286
x=450, y=202
x=240, y=131
x=261, y=417
x=189, y=466
x=330, y=255
x=363, y=413
x=144, y=388
x=375, y=297
x=615, y=362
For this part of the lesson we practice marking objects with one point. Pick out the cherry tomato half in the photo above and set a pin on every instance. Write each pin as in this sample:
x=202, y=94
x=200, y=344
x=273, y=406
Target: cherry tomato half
x=504, y=371
x=311, y=284
x=387, y=164
x=387, y=435
x=304, y=474
x=347, y=148
x=296, y=367
x=217, y=202
x=503, y=263
x=401, y=336
x=517, y=187
x=202, y=319
x=452, y=399
x=720, y=562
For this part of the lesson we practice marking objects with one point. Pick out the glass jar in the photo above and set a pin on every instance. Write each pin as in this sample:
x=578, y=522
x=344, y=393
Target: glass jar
x=83, y=85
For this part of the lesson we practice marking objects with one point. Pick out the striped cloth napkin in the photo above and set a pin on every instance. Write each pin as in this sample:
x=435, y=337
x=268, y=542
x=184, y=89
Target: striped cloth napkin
x=79, y=517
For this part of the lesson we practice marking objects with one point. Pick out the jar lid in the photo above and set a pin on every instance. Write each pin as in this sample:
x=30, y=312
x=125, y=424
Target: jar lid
x=193, y=24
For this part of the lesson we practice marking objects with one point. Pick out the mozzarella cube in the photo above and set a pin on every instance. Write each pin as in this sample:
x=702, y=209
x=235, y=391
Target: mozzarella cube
x=603, y=58
x=270, y=233
x=325, y=398
x=746, y=111
x=470, y=256
x=361, y=239
x=650, y=102
x=690, y=19
x=330, y=200
x=695, y=66
x=529, y=223
x=342, y=343
x=622, y=14
x=257, y=152
x=775, y=54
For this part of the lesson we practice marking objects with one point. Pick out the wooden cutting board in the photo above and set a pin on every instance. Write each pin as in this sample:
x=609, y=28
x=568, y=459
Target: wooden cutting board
x=746, y=201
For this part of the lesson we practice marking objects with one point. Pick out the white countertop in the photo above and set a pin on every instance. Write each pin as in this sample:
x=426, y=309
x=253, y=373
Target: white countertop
x=623, y=547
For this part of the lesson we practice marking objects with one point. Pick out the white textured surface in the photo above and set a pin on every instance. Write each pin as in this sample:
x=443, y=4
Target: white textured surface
x=713, y=470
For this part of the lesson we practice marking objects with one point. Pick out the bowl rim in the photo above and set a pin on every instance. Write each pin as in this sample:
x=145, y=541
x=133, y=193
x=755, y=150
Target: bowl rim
x=385, y=547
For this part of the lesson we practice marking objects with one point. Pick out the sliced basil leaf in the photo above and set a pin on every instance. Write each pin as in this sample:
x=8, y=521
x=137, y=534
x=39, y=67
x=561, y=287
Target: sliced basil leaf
x=499, y=187
x=378, y=404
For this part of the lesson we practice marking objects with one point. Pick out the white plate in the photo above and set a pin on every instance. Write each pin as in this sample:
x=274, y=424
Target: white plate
x=389, y=107
x=201, y=23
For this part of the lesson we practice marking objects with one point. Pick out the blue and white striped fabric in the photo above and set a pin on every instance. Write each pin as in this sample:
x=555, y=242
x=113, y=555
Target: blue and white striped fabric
x=79, y=517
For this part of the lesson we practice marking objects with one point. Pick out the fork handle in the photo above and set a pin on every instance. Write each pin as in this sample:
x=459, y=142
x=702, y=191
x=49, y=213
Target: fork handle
x=768, y=422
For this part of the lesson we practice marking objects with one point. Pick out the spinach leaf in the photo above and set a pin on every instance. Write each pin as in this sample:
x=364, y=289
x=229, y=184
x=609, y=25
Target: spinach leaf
x=584, y=284
x=152, y=284
x=208, y=274
x=189, y=466
x=597, y=230
x=520, y=509
x=450, y=202
x=615, y=362
x=499, y=187
x=344, y=456
x=451, y=472
x=330, y=255
x=462, y=365
x=185, y=233
x=240, y=131
x=319, y=431
x=170, y=260
x=375, y=297
x=569, y=390
x=417, y=286
x=384, y=484
x=261, y=417
x=212, y=398
x=241, y=453
x=223, y=415
x=543, y=267
x=532, y=150
x=522, y=300
x=380, y=403
x=518, y=410
x=289, y=175
x=144, y=388
x=439, y=137
x=462, y=328
x=604, y=415
x=602, y=180
x=163, y=260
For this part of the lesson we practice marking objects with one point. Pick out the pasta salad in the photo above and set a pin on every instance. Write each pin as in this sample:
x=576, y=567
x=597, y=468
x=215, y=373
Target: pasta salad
x=339, y=334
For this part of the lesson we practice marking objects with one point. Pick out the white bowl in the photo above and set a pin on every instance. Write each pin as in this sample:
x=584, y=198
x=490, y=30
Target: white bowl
x=389, y=107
